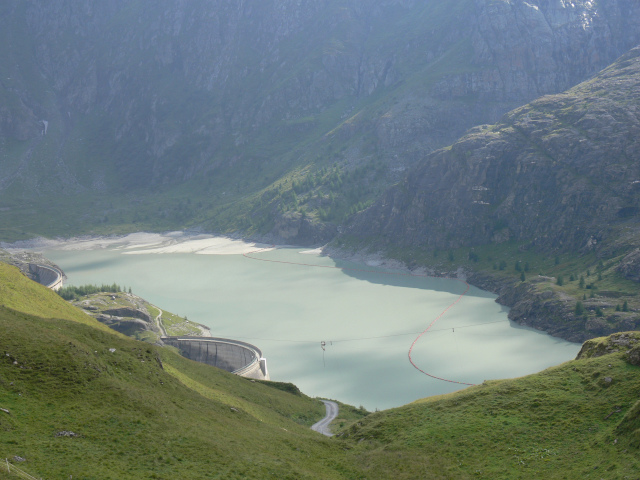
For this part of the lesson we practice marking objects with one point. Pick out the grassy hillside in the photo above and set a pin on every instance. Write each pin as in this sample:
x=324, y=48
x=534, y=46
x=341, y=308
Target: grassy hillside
x=19, y=293
x=85, y=401
x=577, y=420
x=130, y=314
x=138, y=411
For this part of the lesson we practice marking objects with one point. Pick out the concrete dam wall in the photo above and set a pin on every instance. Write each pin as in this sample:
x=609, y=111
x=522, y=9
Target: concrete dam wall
x=50, y=277
x=233, y=356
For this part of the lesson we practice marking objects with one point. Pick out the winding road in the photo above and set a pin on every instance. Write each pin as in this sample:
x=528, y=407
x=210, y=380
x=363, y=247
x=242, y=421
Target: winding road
x=323, y=425
x=163, y=332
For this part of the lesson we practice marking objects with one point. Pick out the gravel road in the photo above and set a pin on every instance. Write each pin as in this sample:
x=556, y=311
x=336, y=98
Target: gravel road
x=323, y=425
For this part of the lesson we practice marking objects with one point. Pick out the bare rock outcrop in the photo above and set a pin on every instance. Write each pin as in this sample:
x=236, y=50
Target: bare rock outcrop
x=630, y=265
x=628, y=342
x=558, y=172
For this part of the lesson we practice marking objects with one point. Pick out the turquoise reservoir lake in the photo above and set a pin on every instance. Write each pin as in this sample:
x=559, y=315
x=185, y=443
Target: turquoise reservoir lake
x=367, y=319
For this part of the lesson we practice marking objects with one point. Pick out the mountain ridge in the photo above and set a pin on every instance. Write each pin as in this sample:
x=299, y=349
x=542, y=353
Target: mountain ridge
x=229, y=103
x=475, y=192
x=556, y=177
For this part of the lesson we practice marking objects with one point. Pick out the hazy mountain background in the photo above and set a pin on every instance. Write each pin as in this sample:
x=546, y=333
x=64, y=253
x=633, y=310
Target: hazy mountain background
x=561, y=172
x=496, y=139
x=263, y=117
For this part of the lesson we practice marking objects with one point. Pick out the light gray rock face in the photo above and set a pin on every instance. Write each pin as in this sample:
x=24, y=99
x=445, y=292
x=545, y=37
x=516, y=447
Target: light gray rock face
x=172, y=90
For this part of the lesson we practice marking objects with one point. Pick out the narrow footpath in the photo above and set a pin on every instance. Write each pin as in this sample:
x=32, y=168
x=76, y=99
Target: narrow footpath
x=323, y=425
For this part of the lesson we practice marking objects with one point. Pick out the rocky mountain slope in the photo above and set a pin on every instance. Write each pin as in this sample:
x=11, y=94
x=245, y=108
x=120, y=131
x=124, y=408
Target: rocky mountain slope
x=560, y=173
x=557, y=176
x=230, y=98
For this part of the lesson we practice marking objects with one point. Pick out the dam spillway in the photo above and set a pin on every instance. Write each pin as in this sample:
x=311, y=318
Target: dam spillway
x=234, y=356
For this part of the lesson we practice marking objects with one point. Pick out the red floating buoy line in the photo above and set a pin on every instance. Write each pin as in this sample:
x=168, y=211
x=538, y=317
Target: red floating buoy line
x=435, y=320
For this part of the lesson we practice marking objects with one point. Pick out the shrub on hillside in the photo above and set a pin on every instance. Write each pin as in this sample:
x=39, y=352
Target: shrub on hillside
x=73, y=293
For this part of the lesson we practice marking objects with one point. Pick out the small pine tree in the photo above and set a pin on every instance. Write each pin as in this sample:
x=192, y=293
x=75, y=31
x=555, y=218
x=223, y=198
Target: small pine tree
x=588, y=272
x=581, y=281
x=599, y=312
x=584, y=296
x=522, y=277
x=579, y=308
x=560, y=281
x=572, y=278
x=625, y=306
x=129, y=289
x=495, y=266
x=618, y=309
x=518, y=266
x=451, y=256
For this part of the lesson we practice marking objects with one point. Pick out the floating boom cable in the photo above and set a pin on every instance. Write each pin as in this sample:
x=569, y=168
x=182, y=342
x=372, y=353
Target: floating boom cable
x=426, y=330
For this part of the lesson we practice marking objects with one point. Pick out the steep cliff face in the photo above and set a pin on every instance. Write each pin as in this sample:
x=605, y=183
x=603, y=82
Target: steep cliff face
x=561, y=172
x=120, y=95
x=517, y=51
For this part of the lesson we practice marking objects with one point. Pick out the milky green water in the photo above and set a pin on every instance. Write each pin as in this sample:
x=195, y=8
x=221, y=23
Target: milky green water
x=367, y=319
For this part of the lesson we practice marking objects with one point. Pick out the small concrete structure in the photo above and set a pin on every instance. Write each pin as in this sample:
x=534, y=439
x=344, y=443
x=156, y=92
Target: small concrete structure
x=50, y=277
x=233, y=356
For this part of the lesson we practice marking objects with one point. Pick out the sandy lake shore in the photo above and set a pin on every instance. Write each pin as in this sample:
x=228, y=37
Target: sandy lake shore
x=145, y=243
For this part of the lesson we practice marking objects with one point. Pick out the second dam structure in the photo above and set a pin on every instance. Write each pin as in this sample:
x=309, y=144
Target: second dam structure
x=233, y=356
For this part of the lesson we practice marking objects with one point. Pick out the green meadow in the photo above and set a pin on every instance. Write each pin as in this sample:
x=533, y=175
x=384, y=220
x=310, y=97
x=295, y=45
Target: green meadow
x=85, y=401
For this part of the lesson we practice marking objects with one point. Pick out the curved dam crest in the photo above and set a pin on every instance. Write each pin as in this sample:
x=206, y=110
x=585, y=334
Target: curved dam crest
x=36, y=267
x=239, y=358
x=50, y=277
